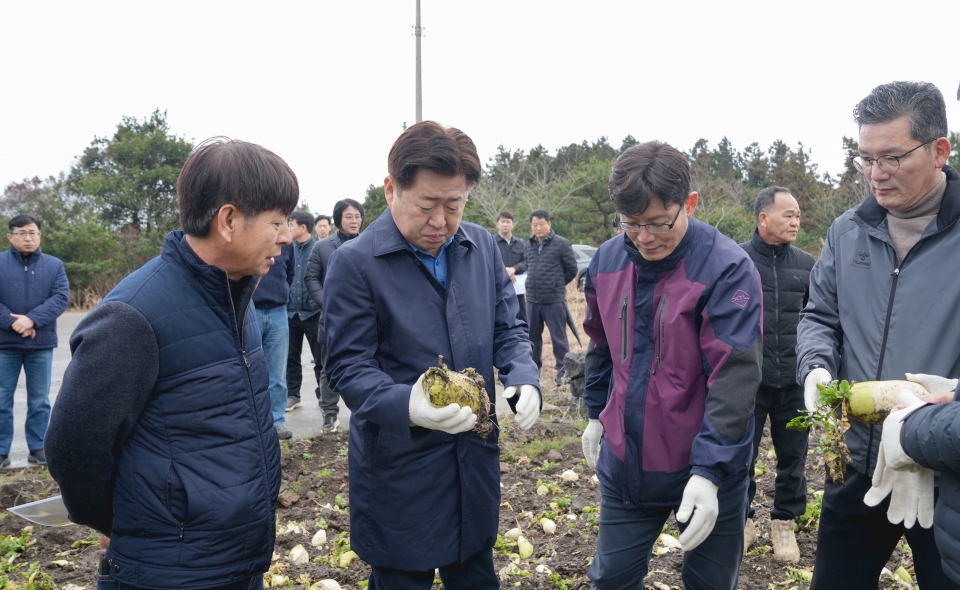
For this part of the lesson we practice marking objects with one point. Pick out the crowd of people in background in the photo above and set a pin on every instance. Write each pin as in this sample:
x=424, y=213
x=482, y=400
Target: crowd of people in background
x=171, y=449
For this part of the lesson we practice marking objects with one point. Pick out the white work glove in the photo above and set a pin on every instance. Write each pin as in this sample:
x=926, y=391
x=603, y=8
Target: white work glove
x=528, y=404
x=932, y=383
x=811, y=395
x=896, y=458
x=911, y=492
x=699, y=500
x=591, y=442
x=451, y=419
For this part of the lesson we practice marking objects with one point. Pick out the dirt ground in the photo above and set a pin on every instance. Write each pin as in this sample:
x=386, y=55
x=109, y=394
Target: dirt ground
x=315, y=498
x=315, y=479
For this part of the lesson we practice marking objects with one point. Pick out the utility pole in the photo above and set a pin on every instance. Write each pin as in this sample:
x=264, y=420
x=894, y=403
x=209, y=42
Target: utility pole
x=417, y=32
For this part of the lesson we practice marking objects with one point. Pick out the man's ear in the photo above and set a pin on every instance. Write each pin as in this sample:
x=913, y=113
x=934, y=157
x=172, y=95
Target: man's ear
x=226, y=222
x=762, y=219
x=691, y=203
x=389, y=190
x=941, y=148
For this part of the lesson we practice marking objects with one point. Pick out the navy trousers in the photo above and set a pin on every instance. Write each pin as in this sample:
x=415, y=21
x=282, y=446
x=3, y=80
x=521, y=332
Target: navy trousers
x=476, y=573
x=855, y=541
x=627, y=536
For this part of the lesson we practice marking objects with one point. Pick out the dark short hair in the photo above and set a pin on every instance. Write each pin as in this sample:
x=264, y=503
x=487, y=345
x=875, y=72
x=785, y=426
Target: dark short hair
x=323, y=217
x=766, y=198
x=647, y=169
x=505, y=215
x=302, y=218
x=444, y=150
x=341, y=206
x=921, y=101
x=223, y=171
x=541, y=213
x=22, y=220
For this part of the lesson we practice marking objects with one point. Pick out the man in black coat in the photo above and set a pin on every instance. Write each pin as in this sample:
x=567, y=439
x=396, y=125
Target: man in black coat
x=551, y=264
x=348, y=217
x=785, y=275
x=511, y=250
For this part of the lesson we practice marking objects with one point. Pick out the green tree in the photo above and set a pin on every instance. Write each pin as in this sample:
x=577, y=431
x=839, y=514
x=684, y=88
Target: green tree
x=131, y=177
x=954, y=160
x=374, y=204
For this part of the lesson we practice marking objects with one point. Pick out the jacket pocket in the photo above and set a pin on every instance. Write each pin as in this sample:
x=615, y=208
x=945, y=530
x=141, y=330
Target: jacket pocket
x=624, y=328
x=661, y=332
x=177, y=502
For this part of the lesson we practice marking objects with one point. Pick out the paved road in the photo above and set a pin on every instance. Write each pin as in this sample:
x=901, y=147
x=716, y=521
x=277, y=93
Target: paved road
x=305, y=421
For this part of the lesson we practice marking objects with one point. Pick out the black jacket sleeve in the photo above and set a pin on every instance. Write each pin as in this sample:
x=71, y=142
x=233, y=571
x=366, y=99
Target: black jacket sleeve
x=931, y=436
x=521, y=267
x=569, y=261
x=115, y=366
x=313, y=278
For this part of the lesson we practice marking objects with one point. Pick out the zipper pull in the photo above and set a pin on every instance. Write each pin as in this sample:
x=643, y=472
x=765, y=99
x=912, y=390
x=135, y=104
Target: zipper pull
x=896, y=272
x=246, y=361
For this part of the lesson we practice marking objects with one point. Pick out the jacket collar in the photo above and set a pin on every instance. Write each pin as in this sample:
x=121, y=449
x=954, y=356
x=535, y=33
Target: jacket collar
x=176, y=250
x=306, y=246
x=765, y=249
x=19, y=255
x=693, y=230
x=871, y=213
x=388, y=239
x=546, y=240
x=499, y=238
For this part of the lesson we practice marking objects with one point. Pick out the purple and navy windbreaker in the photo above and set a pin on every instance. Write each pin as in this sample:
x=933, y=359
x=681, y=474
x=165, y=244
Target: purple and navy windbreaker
x=680, y=348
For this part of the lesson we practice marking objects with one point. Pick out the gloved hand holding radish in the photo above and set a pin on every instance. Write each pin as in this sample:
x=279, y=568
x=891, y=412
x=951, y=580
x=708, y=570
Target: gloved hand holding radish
x=909, y=485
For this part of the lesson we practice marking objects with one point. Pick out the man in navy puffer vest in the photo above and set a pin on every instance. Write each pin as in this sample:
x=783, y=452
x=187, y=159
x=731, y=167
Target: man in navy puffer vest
x=162, y=436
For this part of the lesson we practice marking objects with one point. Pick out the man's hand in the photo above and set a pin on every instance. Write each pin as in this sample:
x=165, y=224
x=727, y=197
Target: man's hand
x=591, y=442
x=22, y=324
x=911, y=493
x=941, y=389
x=528, y=404
x=451, y=419
x=105, y=541
x=512, y=272
x=31, y=333
x=700, y=501
x=811, y=395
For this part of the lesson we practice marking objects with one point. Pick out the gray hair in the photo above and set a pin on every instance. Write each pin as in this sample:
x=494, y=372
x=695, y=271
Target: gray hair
x=921, y=101
x=766, y=198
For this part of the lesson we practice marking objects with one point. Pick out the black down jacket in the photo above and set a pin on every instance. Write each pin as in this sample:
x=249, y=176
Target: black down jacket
x=785, y=274
x=550, y=266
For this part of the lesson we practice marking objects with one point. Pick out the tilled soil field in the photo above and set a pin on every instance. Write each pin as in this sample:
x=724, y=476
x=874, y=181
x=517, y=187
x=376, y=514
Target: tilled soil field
x=538, y=469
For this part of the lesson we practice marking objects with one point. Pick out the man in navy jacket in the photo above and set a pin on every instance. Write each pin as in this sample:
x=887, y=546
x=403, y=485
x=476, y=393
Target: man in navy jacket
x=162, y=436
x=424, y=488
x=33, y=293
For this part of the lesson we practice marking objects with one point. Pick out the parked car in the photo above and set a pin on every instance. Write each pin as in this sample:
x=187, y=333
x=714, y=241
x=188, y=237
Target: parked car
x=584, y=254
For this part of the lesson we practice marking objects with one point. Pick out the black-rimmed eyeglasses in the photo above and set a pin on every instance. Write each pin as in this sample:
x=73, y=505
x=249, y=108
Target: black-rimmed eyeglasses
x=889, y=164
x=653, y=228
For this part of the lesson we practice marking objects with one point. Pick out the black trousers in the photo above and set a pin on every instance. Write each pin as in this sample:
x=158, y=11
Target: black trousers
x=300, y=328
x=554, y=317
x=855, y=541
x=782, y=405
x=476, y=573
x=522, y=300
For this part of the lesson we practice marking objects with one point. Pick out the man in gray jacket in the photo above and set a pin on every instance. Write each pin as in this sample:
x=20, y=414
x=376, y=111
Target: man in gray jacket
x=881, y=304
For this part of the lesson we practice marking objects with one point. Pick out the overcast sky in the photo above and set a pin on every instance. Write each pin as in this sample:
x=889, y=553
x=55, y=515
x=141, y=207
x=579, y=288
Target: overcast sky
x=329, y=85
